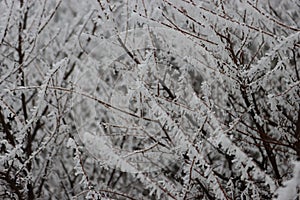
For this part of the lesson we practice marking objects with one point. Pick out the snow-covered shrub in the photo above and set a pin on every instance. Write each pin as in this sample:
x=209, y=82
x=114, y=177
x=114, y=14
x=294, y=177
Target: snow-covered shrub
x=159, y=99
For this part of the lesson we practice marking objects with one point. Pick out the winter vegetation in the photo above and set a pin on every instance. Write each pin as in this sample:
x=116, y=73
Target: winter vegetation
x=150, y=99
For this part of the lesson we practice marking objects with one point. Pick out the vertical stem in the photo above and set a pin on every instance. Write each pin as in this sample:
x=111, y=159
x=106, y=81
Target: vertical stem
x=20, y=50
x=21, y=60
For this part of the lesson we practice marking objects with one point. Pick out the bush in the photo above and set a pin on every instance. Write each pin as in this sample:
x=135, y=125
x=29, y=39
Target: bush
x=149, y=99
